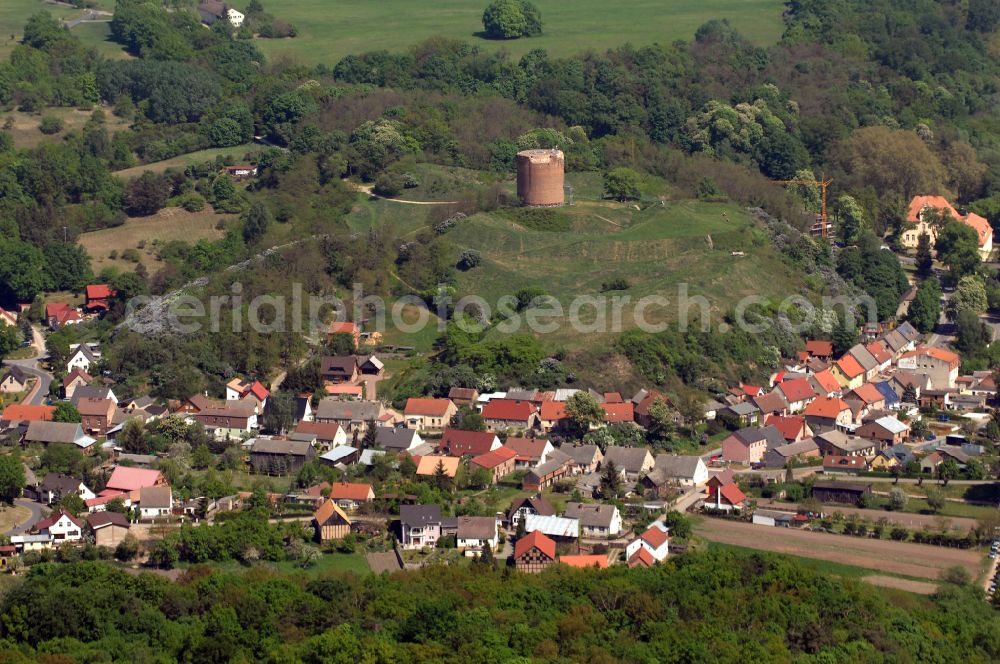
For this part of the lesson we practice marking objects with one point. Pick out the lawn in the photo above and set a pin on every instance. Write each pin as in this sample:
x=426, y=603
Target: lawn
x=96, y=34
x=11, y=517
x=14, y=14
x=328, y=562
x=236, y=153
x=329, y=30
x=166, y=225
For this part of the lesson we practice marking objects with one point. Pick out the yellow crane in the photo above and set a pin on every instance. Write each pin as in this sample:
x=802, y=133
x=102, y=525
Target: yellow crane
x=822, y=184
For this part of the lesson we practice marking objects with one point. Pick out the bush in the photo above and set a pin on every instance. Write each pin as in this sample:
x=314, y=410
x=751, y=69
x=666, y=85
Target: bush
x=130, y=255
x=615, y=285
x=51, y=125
x=469, y=259
x=511, y=19
x=389, y=185
x=193, y=202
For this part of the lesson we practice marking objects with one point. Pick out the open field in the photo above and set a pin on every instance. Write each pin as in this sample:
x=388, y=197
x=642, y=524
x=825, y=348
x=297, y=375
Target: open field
x=11, y=517
x=25, y=130
x=96, y=34
x=166, y=225
x=14, y=13
x=330, y=30
x=918, y=561
x=180, y=161
x=906, y=519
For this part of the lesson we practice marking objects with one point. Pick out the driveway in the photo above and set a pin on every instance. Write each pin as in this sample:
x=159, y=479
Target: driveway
x=37, y=512
x=31, y=366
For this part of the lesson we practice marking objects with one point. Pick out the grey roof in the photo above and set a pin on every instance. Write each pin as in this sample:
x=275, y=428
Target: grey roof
x=629, y=459
x=580, y=454
x=155, y=496
x=281, y=446
x=99, y=520
x=523, y=395
x=891, y=424
x=367, y=457
x=798, y=447
x=338, y=453
x=908, y=331
x=670, y=466
x=395, y=438
x=477, y=527
x=743, y=408
x=53, y=432
x=900, y=453
x=59, y=483
x=383, y=562
x=538, y=503
x=351, y=411
x=17, y=373
x=591, y=515
x=770, y=433
x=842, y=441
x=894, y=340
x=138, y=459
x=419, y=515
x=955, y=453
x=543, y=469
x=864, y=358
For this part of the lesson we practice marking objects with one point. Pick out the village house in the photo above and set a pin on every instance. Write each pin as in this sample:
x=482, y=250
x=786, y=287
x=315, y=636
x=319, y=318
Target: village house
x=58, y=314
x=545, y=475
x=155, y=501
x=28, y=413
x=459, y=442
x=96, y=415
x=522, y=507
x=844, y=465
x=825, y=384
x=848, y=372
x=923, y=217
x=798, y=393
x=673, y=470
x=498, y=463
x=632, y=461
x=280, y=456
x=749, y=445
x=56, y=486
x=727, y=498
x=350, y=415
x=330, y=522
x=772, y=403
x=61, y=526
x=868, y=362
x=476, y=533
x=398, y=439
x=743, y=414
x=109, y=528
x=339, y=369
x=792, y=427
x=341, y=456
x=98, y=298
x=886, y=430
x=530, y=451
x=428, y=414
x=534, y=552
x=820, y=349
x=828, y=413
x=618, y=412
x=125, y=479
x=655, y=541
x=211, y=11
x=559, y=528
x=67, y=433
x=552, y=417
x=83, y=357
x=584, y=458
x=938, y=364
x=432, y=465
x=239, y=171
x=463, y=396
x=596, y=519
x=93, y=392
x=420, y=525
x=74, y=380
x=513, y=414
x=864, y=400
x=345, y=327
x=350, y=496
x=838, y=443
x=328, y=434
x=14, y=380
x=231, y=421
x=781, y=456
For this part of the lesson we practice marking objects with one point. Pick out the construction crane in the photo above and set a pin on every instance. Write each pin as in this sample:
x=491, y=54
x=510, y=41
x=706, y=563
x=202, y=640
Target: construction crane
x=822, y=184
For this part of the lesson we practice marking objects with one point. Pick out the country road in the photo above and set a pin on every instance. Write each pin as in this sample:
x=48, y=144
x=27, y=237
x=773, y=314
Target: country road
x=37, y=512
x=40, y=392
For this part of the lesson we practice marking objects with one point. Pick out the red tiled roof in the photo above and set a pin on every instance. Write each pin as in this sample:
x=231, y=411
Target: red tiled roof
x=937, y=353
x=460, y=442
x=654, y=537
x=527, y=448
x=641, y=556
x=868, y=393
x=613, y=397
x=642, y=408
x=491, y=460
x=849, y=366
x=918, y=204
x=790, y=426
x=819, y=348
x=124, y=478
x=322, y=430
x=554, y=410
x=600, y=561
x=258, y=390
x=982, y=227
x=99, y=292
x=76, y=373
x=427, y=407
x=512, y=410
x=618, y=412
x=829, y=407
x=342, y=327
x=879, y=352
x=827, y=381
x=28, y=413
x=751, y=390
x=797, y=389
x=851, y=462
x=732, y=494
x=349, y=491
x=536, y=539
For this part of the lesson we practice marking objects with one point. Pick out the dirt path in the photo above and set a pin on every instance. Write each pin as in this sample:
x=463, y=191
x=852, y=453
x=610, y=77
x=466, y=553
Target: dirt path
x=919, y=587
x=368, y=189
x=922, y=561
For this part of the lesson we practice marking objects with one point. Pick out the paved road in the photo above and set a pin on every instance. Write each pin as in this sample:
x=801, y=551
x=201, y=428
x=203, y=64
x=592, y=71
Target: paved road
x=37, y=512
x=31, y=366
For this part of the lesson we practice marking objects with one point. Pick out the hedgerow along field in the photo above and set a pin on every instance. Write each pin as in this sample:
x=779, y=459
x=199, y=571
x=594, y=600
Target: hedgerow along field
x=330, y=29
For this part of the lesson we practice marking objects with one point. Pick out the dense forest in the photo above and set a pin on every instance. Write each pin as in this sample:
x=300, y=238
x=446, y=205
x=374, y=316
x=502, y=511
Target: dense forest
x=718, y=605
x=888, y=98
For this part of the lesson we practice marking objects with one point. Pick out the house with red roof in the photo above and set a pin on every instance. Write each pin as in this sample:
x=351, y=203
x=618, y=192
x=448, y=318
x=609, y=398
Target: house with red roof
x=938, y=364
x=618, y=412
x=530, y=451
x=126, y=479
x=655, y=542
x=498, y=462
x=881, y=353
x=793, y=427
x=500, y=414
x=350, y=496
x=28, y=413
x=583, y=561
x=825, y=383
x=864, y=400
x=847, y=465
x=61, y=525
x=552, y=416
x=828, y=413
x=98, y=297
x=58, y=314
x=643, y=405
x=345, y=327
x=727, y=498
x=820, y=349
x=459, y=442
x=923, y=216
x=848, y=372
x=74, y=379
x=798, y=393
x=534, y=552
x=428, y=414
